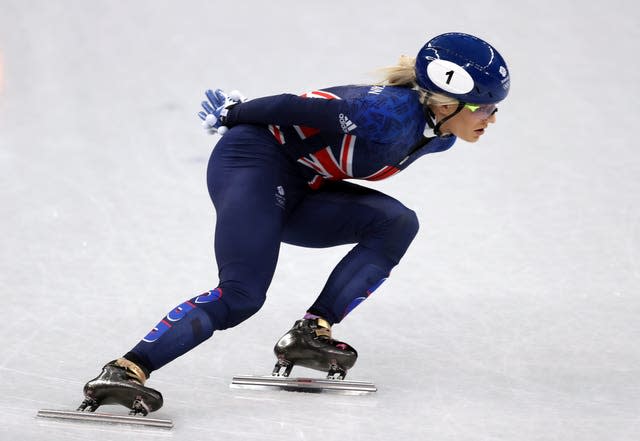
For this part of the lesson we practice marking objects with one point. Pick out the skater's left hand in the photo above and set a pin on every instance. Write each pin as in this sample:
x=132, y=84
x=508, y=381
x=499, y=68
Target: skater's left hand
x=216, y=107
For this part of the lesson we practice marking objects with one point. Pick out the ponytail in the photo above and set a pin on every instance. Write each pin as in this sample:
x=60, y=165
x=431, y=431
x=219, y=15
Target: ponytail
x=403, y=74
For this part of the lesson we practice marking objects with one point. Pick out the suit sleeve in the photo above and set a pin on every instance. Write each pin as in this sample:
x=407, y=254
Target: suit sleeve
x=370, y=118
x=290, y=110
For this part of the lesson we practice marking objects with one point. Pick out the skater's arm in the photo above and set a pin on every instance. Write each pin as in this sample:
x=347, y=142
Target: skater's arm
x=289, y=110
x=356, y=117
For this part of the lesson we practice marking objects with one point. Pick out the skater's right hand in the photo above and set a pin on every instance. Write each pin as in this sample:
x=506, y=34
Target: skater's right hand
x=216, y=107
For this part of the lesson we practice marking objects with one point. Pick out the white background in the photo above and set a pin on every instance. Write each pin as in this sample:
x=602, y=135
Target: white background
x=514, y=316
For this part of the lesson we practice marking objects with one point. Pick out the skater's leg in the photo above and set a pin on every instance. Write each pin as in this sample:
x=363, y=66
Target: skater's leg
x=243, y=183
x=344, y=213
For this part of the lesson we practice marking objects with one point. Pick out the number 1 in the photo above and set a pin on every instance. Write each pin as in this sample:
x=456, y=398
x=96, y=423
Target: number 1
x=449, y=76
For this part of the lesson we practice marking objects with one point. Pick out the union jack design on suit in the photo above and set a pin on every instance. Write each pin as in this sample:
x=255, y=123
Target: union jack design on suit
x=324, y=162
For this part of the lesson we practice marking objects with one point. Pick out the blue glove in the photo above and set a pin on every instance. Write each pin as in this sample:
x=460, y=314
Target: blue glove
x=215, y=109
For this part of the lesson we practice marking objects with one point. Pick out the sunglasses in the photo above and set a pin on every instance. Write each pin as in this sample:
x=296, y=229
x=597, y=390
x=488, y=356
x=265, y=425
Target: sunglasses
x=482, y=110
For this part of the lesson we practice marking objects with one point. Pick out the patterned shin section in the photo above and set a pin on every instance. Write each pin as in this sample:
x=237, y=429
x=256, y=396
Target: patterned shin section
x=355, y=302
x=346, y=289
x=181, y=330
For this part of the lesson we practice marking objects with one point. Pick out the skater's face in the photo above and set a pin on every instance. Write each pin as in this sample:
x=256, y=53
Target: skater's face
x=469, y=124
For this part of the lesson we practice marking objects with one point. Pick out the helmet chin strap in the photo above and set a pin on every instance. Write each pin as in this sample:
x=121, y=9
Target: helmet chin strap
x=437, y=127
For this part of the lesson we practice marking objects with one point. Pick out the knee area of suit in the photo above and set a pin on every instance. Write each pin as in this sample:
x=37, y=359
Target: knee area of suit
x=404, y=223
x=240, y=305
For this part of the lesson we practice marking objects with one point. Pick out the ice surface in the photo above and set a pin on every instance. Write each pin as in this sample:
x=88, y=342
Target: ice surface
x=514, y=316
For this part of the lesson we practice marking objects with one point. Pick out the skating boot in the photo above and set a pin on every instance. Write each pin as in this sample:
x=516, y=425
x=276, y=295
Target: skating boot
x=121, y=382
x=309, y=344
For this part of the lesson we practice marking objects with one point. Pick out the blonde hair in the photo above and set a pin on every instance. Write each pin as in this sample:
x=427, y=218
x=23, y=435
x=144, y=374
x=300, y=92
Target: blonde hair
x=403, y=74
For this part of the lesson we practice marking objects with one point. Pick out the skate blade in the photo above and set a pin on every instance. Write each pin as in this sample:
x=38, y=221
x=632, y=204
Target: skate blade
x=77, y=415
x=300, y=384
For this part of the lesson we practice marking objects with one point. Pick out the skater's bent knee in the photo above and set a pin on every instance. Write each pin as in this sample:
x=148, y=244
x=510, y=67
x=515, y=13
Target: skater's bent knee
x=393, y=236
x=241, y=303
x=404, y=226
x=409, y=222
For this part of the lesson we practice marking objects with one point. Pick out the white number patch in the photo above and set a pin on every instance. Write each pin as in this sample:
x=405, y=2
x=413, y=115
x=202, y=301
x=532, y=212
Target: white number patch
x=450, y=77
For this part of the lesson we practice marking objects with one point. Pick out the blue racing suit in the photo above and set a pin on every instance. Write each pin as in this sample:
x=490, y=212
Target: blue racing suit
x=278, y=175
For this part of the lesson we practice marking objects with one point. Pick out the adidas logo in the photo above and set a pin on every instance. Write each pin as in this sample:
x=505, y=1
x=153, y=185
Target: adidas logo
x=346, y=123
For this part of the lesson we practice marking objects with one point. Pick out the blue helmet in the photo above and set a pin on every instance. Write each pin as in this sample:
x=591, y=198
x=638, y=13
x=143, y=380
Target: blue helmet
x=463, y=67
